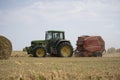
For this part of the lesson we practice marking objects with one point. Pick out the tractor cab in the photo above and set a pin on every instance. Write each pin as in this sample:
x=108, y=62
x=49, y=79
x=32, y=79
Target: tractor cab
x=54, y=35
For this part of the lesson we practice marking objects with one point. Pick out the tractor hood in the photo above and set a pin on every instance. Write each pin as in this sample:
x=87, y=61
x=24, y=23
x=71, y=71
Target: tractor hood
x=38, y=42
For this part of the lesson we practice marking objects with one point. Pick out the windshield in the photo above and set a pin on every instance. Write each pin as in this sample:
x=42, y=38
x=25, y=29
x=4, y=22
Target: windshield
x=58, y=36
x=54, y=35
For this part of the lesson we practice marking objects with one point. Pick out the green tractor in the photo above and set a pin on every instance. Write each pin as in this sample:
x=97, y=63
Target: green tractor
x=54, y=45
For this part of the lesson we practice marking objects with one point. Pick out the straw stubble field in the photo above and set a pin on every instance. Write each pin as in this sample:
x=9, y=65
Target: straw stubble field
x=22, y=67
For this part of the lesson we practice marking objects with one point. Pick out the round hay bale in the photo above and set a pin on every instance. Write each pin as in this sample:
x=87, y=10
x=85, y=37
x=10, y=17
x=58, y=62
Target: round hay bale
x=5, y=48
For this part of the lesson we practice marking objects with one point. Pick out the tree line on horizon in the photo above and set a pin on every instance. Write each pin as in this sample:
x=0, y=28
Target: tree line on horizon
x=113, y=50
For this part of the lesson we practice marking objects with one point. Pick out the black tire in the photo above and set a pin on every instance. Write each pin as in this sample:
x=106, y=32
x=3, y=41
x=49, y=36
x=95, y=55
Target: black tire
x=100, y=54
x=79, y=54
x=65, y=50
x=39, y=51
x=97, y=54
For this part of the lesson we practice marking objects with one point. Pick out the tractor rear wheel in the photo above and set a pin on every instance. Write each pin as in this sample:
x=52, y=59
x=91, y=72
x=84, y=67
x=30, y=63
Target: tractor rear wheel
x=39, y=51
x=65, y=50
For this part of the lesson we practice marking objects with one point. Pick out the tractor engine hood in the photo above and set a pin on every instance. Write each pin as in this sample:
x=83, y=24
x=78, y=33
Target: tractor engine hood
x=38, y=42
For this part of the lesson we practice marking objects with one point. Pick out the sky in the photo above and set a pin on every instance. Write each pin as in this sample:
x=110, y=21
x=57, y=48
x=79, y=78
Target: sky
x=22, y=21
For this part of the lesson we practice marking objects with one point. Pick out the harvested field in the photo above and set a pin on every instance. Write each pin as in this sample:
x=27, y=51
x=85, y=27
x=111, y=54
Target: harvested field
x=51, y=68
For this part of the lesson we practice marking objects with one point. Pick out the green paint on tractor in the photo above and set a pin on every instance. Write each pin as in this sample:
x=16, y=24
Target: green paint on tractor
x=54, y=45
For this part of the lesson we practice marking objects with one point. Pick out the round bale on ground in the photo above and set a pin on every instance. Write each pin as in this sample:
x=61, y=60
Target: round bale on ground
x=5, y=48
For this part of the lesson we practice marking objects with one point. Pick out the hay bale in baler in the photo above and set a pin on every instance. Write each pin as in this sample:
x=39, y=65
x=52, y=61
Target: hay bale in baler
x=5, y=47
x=88, y=46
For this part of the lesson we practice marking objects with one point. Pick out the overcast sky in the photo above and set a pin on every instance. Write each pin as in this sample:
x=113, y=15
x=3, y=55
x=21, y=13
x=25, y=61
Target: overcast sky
x=24, y=20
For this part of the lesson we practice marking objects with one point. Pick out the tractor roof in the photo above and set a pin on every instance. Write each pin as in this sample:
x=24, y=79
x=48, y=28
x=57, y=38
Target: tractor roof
x=54, y=31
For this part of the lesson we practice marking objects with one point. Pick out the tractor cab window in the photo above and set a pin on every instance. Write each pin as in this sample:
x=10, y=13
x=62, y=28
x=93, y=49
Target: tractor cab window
x=61, y=35
x=54, y=35
x=58, y=36
x=48, y=35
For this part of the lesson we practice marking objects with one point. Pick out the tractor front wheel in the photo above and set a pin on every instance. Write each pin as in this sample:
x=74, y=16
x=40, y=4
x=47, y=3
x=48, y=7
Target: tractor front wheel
x=65, y=50
x=39, y=51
